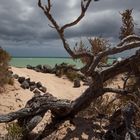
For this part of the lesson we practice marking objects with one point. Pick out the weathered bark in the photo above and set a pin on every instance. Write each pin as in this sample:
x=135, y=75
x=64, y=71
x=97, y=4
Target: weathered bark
x=59, y=107
x=38, y=105
x=121, y=124
x=112, y=51
x=61, y=110
x=125, y=65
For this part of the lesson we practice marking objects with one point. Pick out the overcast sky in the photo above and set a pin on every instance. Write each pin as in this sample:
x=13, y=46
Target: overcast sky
x=24, y=29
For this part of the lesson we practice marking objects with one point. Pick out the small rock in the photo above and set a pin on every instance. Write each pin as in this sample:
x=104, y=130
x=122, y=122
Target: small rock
x=53, y=71
x=29, y=67
x=47, y=68
x=25, y=85
x=58, y=73
x=21, y=79
x=37, y=70
x=43, y=89
x=15, y=76
x=77, y=83
x=36, y=91
x=39, y=84
x=32, y=87
x=32, y=83
x=28, y=80
x=39, y=67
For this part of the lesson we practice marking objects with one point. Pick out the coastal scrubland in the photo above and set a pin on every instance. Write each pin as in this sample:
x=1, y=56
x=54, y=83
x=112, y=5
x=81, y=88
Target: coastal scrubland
x=107, y=107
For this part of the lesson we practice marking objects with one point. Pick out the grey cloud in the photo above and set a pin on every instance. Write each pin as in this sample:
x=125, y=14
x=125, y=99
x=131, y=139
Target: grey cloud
x=24, y=25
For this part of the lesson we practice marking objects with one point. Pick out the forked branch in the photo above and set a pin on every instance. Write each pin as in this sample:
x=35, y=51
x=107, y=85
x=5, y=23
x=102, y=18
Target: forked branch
x=129, y=39
x=125, y=65
x=60, y=30
x=111, y=51
x=83, y=11
x=129, y=42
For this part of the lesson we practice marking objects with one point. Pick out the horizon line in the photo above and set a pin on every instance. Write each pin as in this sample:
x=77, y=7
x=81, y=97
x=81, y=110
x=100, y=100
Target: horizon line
x=47, y=57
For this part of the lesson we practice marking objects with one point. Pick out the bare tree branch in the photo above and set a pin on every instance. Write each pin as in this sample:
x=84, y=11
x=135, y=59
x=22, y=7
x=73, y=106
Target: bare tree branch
x=120, y=67
x=83, y=11
x=47, y=13
x=49, y=5
x=40, y=5
x=15, y=115
x=59, y=107
x=128, y=39
x=123, y=46
x=51, y=26
x=118, y=91
x=60, y=30
x=112, y=51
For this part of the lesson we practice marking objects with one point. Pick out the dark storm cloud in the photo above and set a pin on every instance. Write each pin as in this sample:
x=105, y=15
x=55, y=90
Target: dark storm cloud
x=24, y=25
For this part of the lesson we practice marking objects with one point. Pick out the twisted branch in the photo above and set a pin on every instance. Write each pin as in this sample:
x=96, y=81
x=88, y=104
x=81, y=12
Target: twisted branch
x=112, y=51
x=118, y=91
x=83, y=11
x=60, y=30
x=128, y=39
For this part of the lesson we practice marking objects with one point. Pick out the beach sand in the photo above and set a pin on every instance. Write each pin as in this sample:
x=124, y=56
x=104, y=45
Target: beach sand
x=58, y=87
x=15, y=98
x=12, y=99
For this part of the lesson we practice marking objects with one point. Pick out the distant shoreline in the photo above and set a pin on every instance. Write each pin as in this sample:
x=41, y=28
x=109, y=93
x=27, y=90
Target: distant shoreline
x=38, y=57
x=34, y=61
x=49, y=57
x=52, y=61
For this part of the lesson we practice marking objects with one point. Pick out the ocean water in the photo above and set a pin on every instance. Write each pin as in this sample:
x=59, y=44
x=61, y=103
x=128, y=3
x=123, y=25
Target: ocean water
x=23, y=62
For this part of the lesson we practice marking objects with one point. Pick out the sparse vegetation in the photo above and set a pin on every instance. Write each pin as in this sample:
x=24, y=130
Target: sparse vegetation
x=15, y=132
x=119, y=112
x=97, y=44
x=69, y=71
x=5, y=76
x=128, y=24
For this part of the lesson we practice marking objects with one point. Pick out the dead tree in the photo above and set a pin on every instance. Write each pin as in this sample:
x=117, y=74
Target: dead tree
x=62, y=110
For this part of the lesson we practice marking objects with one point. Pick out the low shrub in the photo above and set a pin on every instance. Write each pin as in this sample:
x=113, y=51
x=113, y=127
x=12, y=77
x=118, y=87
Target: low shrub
x=68, y=71
x=5, y=76
x=72, y=75
x=15, y=132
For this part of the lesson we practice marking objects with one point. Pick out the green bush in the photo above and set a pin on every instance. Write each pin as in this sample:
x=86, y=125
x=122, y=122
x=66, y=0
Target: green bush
x=71, y=75
x=15, y=132
x=68, y=71
x=4, y=72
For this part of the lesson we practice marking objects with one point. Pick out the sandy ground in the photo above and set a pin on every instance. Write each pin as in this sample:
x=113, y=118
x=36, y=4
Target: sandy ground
x=58, y=87
x=14, y=98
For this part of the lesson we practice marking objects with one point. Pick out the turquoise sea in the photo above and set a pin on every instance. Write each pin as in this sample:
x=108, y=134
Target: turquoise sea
x=23, y=62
